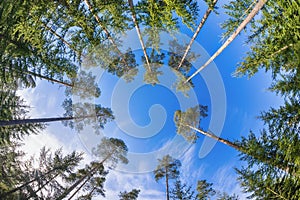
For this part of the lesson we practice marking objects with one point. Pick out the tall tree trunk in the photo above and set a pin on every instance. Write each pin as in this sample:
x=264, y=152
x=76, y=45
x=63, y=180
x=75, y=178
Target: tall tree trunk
x=39, y=120
x=204, y=18
x=167, y=184
x=251, y=15
x=31, y=181
x=213, y=136
x=89, y=174
x=240, y=148
x=49, y=79
x=41, y=76
x=40, y=188
x=91, y=9
x=79, y=188
x=130, y=2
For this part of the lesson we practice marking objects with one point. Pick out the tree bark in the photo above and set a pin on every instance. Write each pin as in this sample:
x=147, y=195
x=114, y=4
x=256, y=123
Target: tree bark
x=79, y=188
x=251, y=15
x=240, y=149
x=213, y=136
x=167, y=184
x=39, y=120
x=48, y=79
x=139, y=32
x=40, y=188
x=28, y=182
x=89, y=174
x=205, y=16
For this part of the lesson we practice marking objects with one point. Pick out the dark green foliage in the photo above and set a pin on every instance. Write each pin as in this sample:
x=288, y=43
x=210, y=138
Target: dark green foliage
x=36, y=181
x=181, y=191
x=13, y=108
x=204, y=189
x=132, y=195
x=88, y=180
x=10, y=171
x=273, y=161
x=274, y=38
x=238, y=11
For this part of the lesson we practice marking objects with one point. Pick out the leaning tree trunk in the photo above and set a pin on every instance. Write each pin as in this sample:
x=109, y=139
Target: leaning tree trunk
x=39, y=120
x=28, y=182
x=91, y=9
x=48, y=79
x=207, y=13
x=240, y=149
x=251, y=15
x=139, y=32
x=213, y=136
x=89, y=174
x=79, y=188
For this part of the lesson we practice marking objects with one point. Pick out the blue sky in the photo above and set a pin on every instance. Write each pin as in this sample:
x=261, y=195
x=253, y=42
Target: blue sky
x=149, y=138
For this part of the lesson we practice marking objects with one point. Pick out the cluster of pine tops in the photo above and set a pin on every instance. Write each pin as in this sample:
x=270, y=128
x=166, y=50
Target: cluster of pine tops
x=48, y=40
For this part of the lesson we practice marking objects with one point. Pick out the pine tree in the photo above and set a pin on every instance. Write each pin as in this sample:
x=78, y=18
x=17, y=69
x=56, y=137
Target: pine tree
x=270, y=156
x=274, y=42
x=156, y=61
x=168, y=169
x=10, y=172
x=111, y=151
x=175, y=54
x=204, y=190
x=42, y=181
x=14, y=108
x=181, y=191
x=132, y=195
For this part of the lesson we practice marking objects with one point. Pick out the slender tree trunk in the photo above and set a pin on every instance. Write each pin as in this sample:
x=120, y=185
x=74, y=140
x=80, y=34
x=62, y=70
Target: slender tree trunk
x=251, y=15
x=49, y=79
x=89, y=174
x=41, y=77
x=40, y=188
x=204, y=18
x=213, y=136
x=28, y=182
x=70, y=189
x=60, y=37
x=79, y=188
x=167, y=184
x=105, y=30
x=39, y=120
x=91, y=192
x=130, y=2
x=240, y=148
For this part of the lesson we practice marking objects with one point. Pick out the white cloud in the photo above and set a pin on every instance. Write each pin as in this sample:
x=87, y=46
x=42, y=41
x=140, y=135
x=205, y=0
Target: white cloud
x=225, y=180
x=188, y=168
x=119, y=181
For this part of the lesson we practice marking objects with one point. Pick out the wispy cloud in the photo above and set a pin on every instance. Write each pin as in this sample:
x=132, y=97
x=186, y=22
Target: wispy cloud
x=225, y=180
x=118, y=181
